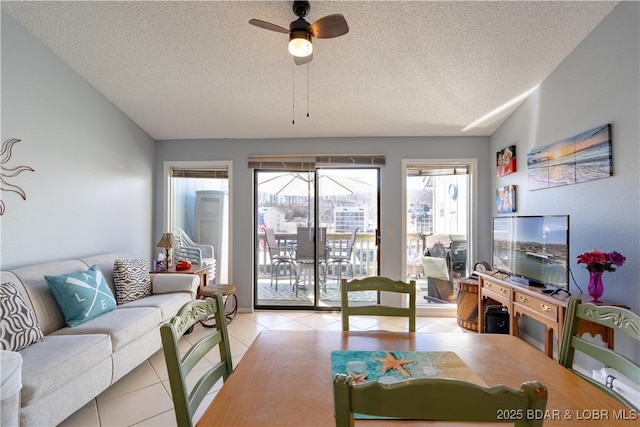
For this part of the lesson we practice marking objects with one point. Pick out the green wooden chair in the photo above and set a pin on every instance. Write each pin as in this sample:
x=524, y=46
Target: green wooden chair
x=185, y=400
x=439, y=399
x=621, y=321
x=378, y=283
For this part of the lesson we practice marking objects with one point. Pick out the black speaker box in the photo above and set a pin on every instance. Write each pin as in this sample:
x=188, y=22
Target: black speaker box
x=496, y=319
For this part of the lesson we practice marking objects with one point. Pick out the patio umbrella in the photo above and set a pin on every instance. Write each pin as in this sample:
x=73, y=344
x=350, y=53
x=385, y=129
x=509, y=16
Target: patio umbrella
x=301, y=184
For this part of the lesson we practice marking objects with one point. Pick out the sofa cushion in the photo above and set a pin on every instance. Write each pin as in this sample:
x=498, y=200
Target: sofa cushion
x=18, y=325
x=131, y=279
x=56, y=360
x=123, y=325
x=82, y=296
x=169, y=304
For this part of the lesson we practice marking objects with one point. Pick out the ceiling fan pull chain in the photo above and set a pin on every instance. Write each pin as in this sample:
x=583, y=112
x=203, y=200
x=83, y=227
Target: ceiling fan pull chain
x=293, y=98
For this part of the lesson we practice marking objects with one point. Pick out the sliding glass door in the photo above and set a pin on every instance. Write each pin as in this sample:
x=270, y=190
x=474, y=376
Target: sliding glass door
x=313, y=228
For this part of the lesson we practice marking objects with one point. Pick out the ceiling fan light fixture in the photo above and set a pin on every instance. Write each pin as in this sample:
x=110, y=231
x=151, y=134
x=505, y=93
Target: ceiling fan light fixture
x=300, y=44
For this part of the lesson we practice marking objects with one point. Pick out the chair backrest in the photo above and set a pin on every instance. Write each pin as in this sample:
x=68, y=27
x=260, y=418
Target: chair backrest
x=183, y=240
x=189, y=254
x=306, y=243
x=621, y=321
x=186, y=400
x=378, y=283
x=352, y=241
x=438, y=399
x=272, y=242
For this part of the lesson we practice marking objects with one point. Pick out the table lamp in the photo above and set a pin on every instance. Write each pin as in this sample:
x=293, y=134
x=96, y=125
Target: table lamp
x=168, y=242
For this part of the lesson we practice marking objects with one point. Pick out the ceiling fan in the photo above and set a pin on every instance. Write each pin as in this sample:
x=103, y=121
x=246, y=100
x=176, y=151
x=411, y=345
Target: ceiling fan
x=301, y=33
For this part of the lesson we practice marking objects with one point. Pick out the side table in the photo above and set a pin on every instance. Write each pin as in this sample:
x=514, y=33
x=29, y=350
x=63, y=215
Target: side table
x=230, y=302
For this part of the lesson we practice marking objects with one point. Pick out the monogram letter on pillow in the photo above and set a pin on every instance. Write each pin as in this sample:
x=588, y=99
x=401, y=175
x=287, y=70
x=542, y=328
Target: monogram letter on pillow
x=82, y=296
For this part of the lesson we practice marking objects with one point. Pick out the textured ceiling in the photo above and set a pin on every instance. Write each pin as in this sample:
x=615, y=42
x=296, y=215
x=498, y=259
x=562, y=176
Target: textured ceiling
x=191, y=69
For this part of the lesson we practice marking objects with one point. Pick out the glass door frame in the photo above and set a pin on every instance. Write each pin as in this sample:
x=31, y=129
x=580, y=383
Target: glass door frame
x=256, y=244
x=314, y=222
x=444, y=310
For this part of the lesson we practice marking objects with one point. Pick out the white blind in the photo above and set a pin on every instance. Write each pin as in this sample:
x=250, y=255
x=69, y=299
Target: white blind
x=309, y=162
x=221, y=172
x=437, y=170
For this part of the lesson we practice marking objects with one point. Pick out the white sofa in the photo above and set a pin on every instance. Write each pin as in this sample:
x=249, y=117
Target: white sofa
x=71, y=366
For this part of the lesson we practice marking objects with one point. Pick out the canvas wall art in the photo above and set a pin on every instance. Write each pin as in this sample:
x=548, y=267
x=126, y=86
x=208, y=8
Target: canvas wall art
x=506, y=161
x=506, y=199
x=584, y=157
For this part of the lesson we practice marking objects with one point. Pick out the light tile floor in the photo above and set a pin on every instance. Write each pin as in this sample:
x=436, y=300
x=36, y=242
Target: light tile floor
x=142, y=397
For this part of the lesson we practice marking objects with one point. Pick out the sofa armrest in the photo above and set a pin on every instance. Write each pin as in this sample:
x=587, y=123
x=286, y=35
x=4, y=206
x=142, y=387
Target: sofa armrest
x=169, y=283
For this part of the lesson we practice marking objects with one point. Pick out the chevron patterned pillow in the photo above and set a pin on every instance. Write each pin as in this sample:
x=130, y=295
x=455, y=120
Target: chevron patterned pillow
x=19, y=327
x=131, y=280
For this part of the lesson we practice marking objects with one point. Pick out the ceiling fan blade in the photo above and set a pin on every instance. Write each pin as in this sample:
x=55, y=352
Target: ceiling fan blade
x=268, y=26
x=304, y=60
x=330, y=26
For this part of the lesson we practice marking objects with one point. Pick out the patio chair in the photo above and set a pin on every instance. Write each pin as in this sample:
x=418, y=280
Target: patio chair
x=198, y=254
x=306, y=242
x=378, y=283
x=344, y=257
x=186, y=398
x=280, y=258
x=620, y=376
x=437, y=399
x=437, y=270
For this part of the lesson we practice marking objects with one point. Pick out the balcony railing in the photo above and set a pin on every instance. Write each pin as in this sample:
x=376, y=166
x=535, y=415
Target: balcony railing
x=364, y=256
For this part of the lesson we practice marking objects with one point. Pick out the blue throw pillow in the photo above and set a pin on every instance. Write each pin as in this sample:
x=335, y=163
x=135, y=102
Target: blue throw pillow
x=82, y=296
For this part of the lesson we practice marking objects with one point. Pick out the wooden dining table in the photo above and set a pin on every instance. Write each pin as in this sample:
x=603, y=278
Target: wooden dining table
x=285, y=379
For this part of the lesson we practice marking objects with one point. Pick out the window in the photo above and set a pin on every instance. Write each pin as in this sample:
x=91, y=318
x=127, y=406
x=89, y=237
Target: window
x=438, y=227
x=197, y=201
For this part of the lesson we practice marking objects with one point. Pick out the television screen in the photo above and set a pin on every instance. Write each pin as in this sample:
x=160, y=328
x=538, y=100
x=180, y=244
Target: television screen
x=533, y=247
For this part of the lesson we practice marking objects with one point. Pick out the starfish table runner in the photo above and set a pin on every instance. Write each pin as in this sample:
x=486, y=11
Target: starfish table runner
x=393, y=366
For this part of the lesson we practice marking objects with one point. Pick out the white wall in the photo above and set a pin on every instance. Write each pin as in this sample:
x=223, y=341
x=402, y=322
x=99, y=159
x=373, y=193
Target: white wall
x=91, y=191
x=391, y=213
x=597, y=84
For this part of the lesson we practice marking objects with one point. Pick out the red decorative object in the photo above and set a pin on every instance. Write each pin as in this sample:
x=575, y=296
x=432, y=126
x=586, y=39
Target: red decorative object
x=595, y=286
x=183, y=265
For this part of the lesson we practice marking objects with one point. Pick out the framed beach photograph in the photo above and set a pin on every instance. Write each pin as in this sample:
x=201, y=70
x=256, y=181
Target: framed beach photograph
x=584, y=157
x=506, y=199
x=506, y=161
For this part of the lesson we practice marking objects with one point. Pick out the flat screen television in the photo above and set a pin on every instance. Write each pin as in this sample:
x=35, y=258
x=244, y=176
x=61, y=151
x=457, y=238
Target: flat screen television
x=534, y=249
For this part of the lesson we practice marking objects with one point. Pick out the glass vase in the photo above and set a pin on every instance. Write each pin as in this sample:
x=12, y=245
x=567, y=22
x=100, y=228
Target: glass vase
x=595, y=285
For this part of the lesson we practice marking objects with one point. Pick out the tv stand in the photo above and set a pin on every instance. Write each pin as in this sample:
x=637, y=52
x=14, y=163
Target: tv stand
x=521, y=300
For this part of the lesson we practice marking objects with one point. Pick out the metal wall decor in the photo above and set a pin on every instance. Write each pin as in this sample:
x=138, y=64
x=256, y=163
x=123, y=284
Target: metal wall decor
x=7, y=172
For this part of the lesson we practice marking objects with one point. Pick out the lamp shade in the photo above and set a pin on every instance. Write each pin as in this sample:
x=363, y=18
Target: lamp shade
x=300, y=44
x=167, y=241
